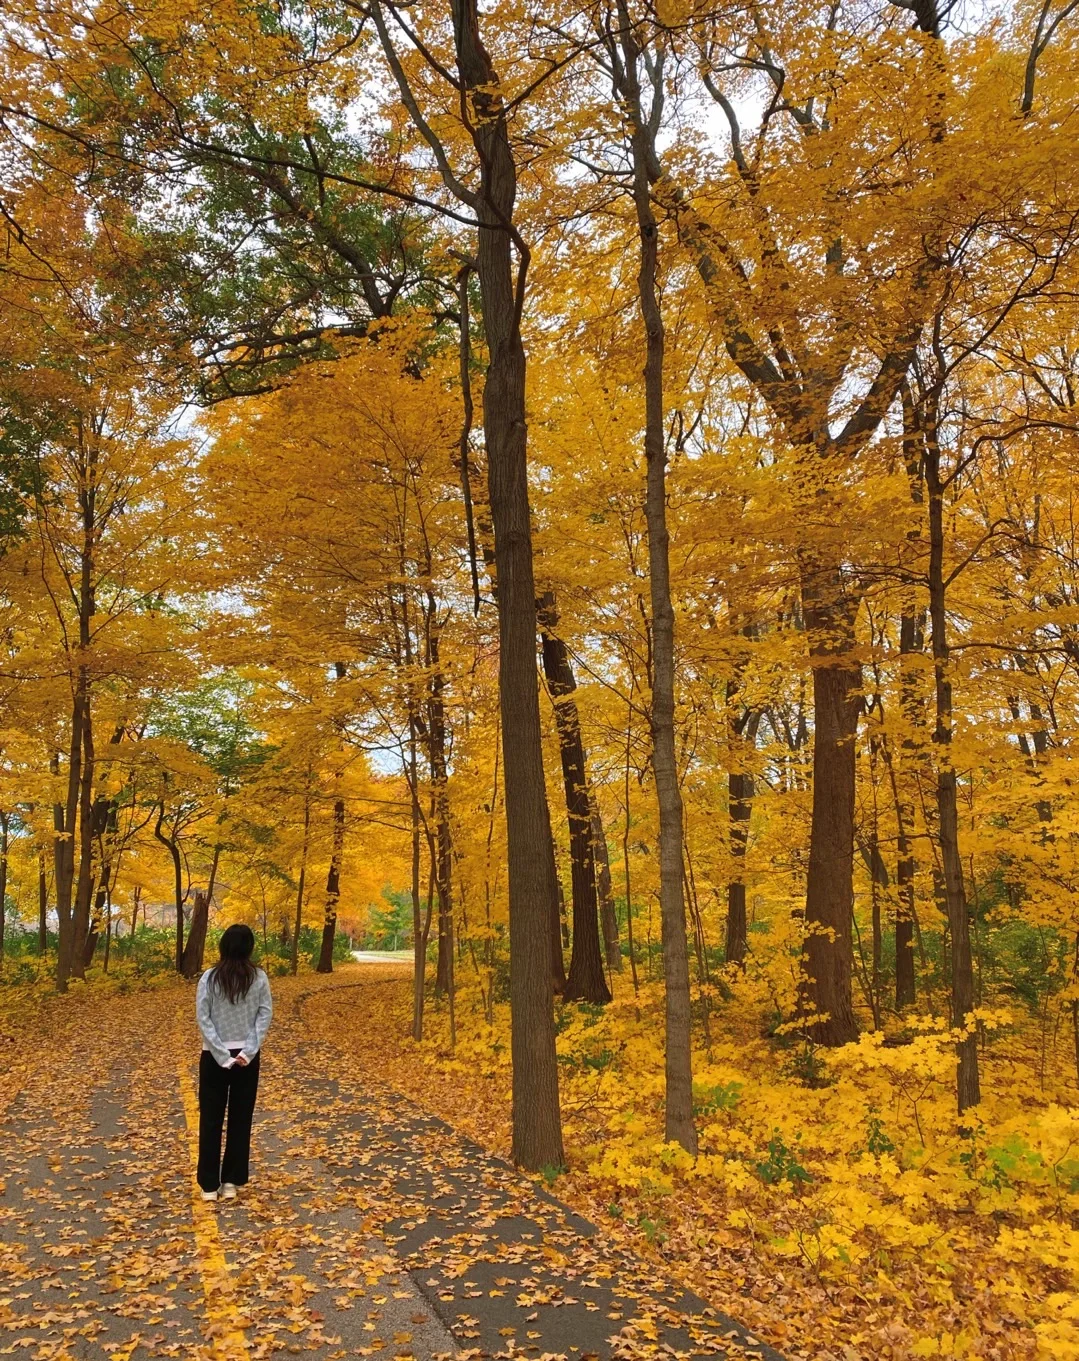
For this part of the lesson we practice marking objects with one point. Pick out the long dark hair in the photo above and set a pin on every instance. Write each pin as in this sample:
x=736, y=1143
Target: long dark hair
x=235, y=973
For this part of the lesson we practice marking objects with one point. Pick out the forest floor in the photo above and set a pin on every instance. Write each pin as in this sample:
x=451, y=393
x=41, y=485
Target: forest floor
x=370, y=1227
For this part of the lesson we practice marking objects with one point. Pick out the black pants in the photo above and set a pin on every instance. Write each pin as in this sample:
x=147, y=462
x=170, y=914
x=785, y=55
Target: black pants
x=233, y=1089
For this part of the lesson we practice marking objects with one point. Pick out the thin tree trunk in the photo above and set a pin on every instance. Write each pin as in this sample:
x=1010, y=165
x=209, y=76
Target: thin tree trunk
x=333, y=874
x=612, y=946
x=213, y=874
x=42, y=906
x=333, y=890
x=294, y=961
x=108, y=935
x=679, y=1126
x=911, y=643
x=172, y=846
x=625, y=860
x=586, y=981
x=65, y=822
x=3, y=883
x=557, y=931
x=419, y=935
x=968, y=1091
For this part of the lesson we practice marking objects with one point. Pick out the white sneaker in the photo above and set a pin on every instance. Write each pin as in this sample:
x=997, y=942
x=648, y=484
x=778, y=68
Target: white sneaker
x=209, y=1195
x=228, y=1191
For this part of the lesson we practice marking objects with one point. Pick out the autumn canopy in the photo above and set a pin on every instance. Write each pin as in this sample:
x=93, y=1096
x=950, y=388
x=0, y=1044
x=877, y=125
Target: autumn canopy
x=586, y=494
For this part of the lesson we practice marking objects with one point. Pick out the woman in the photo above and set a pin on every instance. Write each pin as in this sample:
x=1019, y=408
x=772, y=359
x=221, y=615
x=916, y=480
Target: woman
x=234, y=1009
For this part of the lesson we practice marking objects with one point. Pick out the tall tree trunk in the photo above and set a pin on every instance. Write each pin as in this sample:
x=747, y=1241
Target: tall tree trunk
x=537, y=1126
x=968, y=1090
x=612, y=946
x=586, y=981
x=911, y=643
x=679, y=1126
x=911, y=628
x=65, y=823
x=294, y=961
x=172, y=846
x=443, y=838
x=828, y=952
x=3, y=883
x=556, y=924
x=333, y=874
x=42, y=906
x=213, y=874
x=739, y=810
x=419, y=929
x=84, y=889
x=333, y=890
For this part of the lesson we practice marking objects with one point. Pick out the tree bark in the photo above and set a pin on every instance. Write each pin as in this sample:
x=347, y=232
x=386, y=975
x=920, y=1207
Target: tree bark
x=3, y=883
x=65, y=822
x=679, y=1125
x=333, y=874
x=586, y=981
x=910, y=643
x=333, y=890
x=740, y=807
x=537, y=1127
x=195, y=945
x=42, y=906
x=828, y=953
x=172, y=846
x=612, y=946
x=968, y=1092
x=294, y=960
x=436, y=736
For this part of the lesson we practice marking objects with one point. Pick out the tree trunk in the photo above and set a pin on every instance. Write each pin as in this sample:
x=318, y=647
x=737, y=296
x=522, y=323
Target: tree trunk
x=910, y=642
x=171, y=845
x=556, y=918
x=333, y=890
x=586, y=981
x=608, y=918
x=213, y=874
x=537, y=1127
x=739, y=810
x=42, y=906
x=436, y=734
x=195, y=946
x=968, y=1091
x=419, y=928
x=65, y=822
x=298, y=926
x=679, y=1126
x=333, y=874
x=828, y=952
x=3, y=883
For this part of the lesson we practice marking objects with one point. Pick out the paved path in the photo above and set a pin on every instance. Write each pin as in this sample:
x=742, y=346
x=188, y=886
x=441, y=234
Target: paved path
x=369, y=1228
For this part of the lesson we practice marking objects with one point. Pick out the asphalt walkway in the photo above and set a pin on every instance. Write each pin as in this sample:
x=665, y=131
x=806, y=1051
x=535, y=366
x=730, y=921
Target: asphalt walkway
x=369, y=1227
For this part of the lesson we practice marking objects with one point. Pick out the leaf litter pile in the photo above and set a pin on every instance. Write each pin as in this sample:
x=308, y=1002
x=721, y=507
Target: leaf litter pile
x=370, y=1228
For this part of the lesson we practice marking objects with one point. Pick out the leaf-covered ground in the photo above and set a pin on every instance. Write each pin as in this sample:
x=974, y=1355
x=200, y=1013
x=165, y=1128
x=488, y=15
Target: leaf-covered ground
x=837, y=1206
x=370, y=1227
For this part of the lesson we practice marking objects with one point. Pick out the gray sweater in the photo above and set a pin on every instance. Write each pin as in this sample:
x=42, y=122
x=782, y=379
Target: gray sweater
x=229, y=1025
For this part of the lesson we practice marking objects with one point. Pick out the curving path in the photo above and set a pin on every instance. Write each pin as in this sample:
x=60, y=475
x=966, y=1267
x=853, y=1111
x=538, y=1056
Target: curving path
x=369, y=1228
